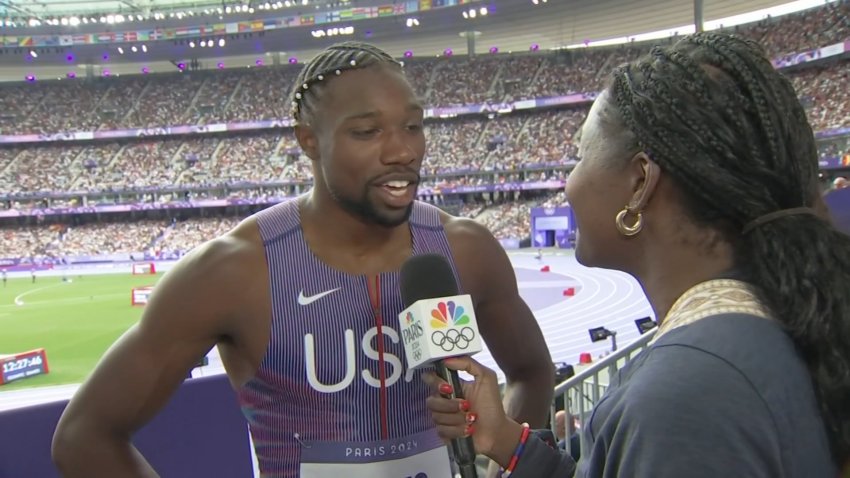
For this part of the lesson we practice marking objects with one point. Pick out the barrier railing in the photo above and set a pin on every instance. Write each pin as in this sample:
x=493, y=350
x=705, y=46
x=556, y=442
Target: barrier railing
x=583, y=390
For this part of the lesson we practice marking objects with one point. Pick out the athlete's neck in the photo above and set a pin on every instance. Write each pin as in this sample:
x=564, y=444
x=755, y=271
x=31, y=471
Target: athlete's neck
x=328, y=225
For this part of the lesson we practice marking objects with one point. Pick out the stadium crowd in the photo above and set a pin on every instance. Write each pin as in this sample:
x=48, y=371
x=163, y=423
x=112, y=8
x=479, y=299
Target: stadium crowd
x=462, y=151
x=259, y=93
x=507, y=218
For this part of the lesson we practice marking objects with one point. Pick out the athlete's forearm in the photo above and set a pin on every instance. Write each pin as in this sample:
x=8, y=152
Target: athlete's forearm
x=528, y=398
x=86, y=455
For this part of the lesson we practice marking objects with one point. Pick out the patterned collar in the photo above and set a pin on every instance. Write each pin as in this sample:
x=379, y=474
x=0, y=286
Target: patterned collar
x=714, y=297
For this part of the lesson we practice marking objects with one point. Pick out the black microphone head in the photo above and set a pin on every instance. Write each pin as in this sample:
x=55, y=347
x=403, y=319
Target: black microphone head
x=426, y=276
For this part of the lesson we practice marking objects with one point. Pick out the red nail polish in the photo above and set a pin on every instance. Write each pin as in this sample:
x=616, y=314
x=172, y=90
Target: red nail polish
x=469, y=430
x=471, y=417
x=445, y=389
x=464, y=406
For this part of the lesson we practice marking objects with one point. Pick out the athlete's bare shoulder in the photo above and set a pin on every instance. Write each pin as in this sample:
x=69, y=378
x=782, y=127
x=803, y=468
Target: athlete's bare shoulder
x=231, y=264
x=463, y=231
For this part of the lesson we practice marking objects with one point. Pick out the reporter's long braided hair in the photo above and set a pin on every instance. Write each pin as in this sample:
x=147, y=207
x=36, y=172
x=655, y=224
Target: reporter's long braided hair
x=719, y=119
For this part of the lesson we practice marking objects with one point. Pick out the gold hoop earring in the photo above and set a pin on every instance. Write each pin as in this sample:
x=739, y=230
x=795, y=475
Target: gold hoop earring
x=632, y=230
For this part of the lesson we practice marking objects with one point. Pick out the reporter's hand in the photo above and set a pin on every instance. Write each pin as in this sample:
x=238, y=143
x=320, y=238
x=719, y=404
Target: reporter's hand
x=480, y=415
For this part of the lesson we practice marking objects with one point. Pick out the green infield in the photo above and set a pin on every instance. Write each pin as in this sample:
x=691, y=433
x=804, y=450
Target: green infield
x=75, y=322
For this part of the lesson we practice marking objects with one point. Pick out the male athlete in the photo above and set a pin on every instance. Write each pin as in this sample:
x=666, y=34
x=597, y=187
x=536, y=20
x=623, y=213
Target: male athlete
x=303, y=299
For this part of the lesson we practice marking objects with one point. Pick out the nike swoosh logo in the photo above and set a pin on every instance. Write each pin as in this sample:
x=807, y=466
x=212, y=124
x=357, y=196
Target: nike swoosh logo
x=307, y=300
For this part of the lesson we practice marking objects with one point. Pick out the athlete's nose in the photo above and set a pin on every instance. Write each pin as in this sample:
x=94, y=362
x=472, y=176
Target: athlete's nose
x=398, y=148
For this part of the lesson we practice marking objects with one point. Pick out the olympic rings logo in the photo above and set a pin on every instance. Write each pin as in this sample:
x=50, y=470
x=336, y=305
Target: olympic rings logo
x=453, y=338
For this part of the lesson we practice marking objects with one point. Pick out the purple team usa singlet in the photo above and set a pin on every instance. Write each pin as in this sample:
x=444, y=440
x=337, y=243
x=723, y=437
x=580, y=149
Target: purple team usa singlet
x=329, y=399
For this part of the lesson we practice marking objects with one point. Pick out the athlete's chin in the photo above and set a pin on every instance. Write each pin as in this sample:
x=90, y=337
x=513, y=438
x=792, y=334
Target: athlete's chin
x=392, y=216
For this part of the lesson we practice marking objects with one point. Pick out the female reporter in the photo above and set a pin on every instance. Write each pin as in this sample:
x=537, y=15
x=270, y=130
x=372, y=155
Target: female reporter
x=709, y=149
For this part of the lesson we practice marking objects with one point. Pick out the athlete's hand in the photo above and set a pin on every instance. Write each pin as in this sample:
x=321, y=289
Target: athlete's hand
x=481, y=415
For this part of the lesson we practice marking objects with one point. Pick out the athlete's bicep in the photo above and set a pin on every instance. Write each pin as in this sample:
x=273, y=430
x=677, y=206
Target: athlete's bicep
x=504, y=318
x=185, y=317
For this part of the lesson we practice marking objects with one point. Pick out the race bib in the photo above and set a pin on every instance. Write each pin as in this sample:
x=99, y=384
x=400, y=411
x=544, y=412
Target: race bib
x=422, y=455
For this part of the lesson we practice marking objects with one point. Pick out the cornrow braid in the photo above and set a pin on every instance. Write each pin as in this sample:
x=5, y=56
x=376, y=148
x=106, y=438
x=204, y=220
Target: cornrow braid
x=330, y=63
x=719, y=120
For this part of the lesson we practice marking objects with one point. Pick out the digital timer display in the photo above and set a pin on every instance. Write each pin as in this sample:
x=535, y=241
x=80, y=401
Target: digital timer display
x=23, y=365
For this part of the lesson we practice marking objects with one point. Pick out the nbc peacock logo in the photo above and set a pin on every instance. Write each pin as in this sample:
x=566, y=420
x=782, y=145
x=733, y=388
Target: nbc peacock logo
x=446, y=312
x=452, y=316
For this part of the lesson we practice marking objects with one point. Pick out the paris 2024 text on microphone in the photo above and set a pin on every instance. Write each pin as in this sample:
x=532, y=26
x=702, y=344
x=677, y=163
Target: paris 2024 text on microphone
x=438, y=323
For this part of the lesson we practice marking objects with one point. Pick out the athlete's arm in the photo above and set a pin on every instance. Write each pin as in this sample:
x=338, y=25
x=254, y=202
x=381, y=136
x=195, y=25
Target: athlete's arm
x=506, y=323
x=188, y=313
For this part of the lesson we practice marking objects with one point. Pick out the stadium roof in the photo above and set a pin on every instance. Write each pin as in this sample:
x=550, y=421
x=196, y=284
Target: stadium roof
x=510, y=26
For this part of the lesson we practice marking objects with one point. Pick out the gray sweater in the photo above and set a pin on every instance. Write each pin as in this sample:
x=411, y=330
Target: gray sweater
x=727, y=396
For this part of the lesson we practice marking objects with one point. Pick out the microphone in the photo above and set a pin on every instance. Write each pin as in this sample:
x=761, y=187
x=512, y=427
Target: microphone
x=438, y=323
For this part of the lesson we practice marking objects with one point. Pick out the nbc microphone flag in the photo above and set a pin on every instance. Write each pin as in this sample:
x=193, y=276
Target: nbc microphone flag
x=433, y=329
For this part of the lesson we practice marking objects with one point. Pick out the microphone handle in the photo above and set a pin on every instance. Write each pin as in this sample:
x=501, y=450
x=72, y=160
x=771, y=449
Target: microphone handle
x=462, y=448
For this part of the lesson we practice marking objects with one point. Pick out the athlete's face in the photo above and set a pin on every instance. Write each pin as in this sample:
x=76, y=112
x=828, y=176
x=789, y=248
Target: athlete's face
x=370, y=144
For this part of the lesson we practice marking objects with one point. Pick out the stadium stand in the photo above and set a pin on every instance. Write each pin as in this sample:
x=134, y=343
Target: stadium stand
x=471, y=150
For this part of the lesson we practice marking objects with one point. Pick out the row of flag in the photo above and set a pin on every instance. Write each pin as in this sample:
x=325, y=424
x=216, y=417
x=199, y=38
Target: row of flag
x=351, y=14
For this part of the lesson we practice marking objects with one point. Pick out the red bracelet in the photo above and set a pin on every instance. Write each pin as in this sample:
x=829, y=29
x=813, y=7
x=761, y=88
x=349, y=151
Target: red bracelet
x=506, y=472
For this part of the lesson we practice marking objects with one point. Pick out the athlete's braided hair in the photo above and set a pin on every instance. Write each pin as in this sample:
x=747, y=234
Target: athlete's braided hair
x=716, y=116
x=331, y=62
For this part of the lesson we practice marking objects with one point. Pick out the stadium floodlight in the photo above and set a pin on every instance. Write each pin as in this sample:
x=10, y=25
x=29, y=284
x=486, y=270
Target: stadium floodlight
x=598, y=334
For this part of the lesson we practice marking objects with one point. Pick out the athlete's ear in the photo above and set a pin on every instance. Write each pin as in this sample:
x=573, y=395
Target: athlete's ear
x=308, y=141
